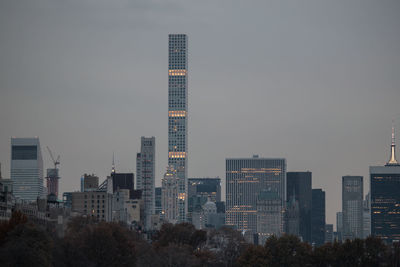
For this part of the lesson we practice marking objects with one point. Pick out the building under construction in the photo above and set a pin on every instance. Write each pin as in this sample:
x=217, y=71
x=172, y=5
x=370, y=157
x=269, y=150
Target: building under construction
x=52, y=182
x=53, y=177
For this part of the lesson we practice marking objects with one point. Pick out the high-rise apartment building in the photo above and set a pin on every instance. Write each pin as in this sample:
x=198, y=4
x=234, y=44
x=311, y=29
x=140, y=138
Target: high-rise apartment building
x=352, y=207
x=169, y=196
x=145, y=176
x=385, y=198
x=318, y=217
x=27, y=168
x=245, y=179
x=178, y=114
x=299, y=187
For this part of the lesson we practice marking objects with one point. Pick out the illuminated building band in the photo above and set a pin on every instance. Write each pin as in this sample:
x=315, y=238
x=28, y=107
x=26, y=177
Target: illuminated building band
x=176, y=155
x=176, y=113
x=176, y=72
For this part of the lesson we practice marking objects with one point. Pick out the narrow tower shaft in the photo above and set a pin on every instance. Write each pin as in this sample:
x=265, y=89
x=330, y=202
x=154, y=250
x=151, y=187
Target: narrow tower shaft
x=178, y=114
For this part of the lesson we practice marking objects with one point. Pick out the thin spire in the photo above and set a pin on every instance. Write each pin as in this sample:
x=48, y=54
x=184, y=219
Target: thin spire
x=393, y=160
x=113, y=165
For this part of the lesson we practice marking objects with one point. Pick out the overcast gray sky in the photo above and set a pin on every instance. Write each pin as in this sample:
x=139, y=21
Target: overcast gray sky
x=316, y=82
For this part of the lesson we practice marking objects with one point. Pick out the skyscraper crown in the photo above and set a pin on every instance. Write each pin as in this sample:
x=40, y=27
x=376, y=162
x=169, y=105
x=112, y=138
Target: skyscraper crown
x=392, y=161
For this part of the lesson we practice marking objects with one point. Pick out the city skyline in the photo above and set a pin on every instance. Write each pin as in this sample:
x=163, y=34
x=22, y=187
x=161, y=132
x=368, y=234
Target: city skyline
x=333, y=118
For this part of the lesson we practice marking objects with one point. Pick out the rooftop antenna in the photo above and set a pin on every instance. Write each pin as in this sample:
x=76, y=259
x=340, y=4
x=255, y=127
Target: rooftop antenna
x=393, y=160
x=113, y=165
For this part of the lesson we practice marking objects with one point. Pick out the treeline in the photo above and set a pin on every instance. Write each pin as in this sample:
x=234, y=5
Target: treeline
x=88, y=243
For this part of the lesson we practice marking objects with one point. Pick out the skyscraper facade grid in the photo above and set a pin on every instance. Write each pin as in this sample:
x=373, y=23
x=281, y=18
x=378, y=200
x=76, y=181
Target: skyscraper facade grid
x=178, y=114
x=145, y=172
x=27, y=168
x=245, y=179
x=352, y=207
x=385, y=202
x=385, y=198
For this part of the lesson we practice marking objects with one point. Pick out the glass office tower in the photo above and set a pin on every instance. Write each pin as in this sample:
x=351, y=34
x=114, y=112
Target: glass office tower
x=318, y=217
x=385, y=198
x=299, y=188
x=178, y=114
x=27, y=168
x=245, y=179
x=145, y=173
x=352, y=207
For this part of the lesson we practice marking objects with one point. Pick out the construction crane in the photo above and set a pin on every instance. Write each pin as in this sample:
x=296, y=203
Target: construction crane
x=55, y=161
x=52, y=176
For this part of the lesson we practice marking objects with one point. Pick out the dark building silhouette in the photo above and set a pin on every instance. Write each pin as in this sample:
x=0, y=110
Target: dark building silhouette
x=158, y=206
x=90, y=182
x=200, y=190
x=385, y=198
x=299, y=187
x=318, y=217
x=122, y=181
x=220, y=207
x=292, y=217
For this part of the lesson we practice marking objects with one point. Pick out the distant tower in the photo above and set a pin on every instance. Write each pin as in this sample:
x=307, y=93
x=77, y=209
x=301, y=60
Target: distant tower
x=27, y=168
x=385, y=198
x=299, y=185
x=178, y=113
x=169, y=196
x=52, y=176
x=145, y=173
x=318, y=217
x=352, y=207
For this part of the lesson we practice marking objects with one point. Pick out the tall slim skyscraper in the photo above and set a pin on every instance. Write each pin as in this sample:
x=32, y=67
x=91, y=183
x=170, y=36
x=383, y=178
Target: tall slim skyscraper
x=27, y=168
x=318, y=217
x=299, y=187
x=245, y=179
x=352, y=207
x=178, y=114
x=385, y=198
x=145, y=176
